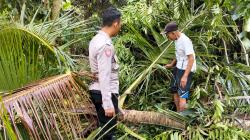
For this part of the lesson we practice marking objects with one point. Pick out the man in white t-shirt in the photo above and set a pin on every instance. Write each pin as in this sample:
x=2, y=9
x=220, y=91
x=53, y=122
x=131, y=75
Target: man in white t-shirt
x=184, y=65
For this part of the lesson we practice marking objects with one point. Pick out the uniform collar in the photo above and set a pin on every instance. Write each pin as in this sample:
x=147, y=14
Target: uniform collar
x=103, y=33
x=106, y=36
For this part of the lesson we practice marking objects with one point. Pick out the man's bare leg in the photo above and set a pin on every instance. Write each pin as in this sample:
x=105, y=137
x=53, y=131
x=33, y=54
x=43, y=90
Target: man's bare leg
x=176, y=101
x=182, y=104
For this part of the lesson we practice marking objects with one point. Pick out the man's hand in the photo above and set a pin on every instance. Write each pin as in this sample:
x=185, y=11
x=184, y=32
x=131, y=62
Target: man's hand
x=110, y=112
x=121, y=111
x=183, y=81
x=169, y=66
x=172, y=64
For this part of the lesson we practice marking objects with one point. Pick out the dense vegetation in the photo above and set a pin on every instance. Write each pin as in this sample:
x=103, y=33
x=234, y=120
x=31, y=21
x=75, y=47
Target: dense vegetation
x=38, y=40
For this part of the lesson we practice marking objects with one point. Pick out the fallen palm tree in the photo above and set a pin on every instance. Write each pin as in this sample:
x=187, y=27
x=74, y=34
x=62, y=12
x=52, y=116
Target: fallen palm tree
x=59, y=108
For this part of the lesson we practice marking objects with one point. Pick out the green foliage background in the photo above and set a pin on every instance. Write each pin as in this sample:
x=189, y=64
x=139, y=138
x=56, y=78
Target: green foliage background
x=219, y=30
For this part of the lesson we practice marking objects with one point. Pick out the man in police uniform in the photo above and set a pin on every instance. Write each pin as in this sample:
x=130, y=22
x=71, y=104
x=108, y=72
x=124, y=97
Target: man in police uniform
x=103, y=62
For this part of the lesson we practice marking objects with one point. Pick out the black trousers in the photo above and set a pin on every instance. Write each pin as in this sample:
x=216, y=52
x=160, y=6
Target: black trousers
x=108, y=122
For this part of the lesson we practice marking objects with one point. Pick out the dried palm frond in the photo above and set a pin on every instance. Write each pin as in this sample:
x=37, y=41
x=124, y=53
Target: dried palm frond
x=54, y=108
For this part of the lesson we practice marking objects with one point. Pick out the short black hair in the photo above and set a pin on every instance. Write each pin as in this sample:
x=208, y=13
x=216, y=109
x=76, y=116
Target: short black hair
x=110, y=15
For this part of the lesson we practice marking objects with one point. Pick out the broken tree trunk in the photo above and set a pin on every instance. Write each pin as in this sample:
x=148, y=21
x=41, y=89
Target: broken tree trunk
x=150, y=117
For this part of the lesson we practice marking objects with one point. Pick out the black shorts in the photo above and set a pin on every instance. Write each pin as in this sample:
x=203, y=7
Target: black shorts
x=175, y=83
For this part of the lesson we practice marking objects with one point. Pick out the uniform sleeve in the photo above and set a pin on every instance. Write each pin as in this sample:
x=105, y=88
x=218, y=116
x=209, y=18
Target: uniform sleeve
x=188, y=47
x=104, y=60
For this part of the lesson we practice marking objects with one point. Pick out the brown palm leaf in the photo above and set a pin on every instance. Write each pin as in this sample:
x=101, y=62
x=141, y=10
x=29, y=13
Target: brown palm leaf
x=54, y=108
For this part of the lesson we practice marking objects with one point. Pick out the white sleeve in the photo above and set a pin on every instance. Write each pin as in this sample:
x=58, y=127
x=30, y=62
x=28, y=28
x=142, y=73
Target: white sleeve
x=104, y=60
x=188, y=47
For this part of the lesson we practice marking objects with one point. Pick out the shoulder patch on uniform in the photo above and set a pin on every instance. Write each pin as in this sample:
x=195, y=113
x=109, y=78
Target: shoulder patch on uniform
x=108, y=51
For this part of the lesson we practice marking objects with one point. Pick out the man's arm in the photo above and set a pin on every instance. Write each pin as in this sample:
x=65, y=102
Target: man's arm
x=104, y=59
x=172, y=64
x=187, y=71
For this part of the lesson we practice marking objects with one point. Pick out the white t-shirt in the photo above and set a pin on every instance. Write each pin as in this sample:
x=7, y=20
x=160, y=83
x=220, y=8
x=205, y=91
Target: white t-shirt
x=183, y=48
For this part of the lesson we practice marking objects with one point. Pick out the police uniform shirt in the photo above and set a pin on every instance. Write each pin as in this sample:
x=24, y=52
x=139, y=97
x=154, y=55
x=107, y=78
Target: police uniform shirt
x=103, y=64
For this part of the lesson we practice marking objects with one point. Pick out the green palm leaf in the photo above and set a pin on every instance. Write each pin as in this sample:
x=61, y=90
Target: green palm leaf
x=29, y=52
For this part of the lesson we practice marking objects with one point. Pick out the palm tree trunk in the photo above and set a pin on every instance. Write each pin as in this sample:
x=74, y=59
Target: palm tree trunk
x=149, y=117
x=56, y=7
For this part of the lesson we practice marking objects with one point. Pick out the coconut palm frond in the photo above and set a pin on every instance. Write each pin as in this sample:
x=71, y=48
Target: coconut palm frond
x=23, y=57
x=53, y=108
x=30, y=52
x=21, y=53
